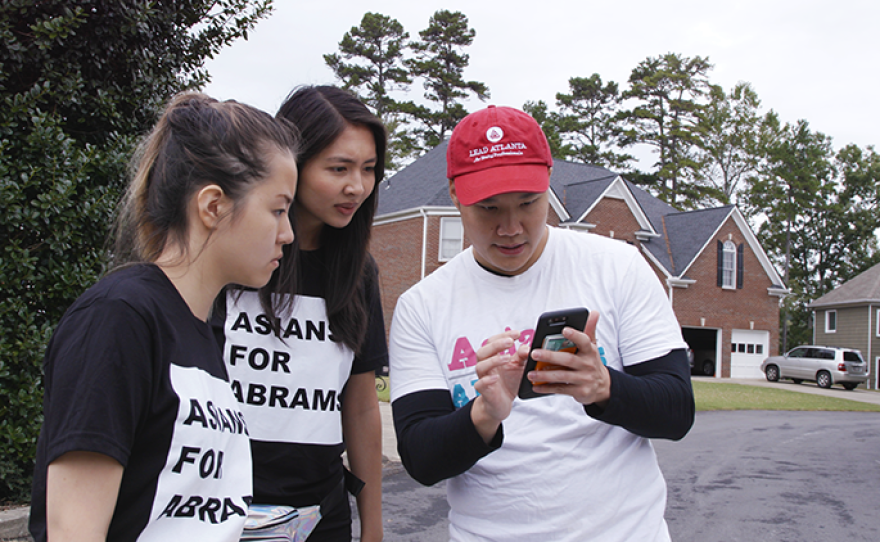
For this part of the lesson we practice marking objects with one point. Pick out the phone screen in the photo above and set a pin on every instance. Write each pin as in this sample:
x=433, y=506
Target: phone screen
x=558, y=343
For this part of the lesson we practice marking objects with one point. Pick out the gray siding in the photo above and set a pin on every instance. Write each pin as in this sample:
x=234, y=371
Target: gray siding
x=853, y=332
x=852, y=329
x=875, y=346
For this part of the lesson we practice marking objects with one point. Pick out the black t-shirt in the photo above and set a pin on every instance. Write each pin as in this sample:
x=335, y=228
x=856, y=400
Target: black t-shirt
x=131, y=373
x=291, y=388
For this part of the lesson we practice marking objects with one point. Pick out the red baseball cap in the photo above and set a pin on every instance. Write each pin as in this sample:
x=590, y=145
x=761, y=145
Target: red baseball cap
x=495, y=151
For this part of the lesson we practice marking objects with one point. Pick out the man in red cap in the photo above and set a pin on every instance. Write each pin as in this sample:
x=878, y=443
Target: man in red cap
x=574, y=464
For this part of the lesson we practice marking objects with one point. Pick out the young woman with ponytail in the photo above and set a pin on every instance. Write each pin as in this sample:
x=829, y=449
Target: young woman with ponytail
x=143, y=438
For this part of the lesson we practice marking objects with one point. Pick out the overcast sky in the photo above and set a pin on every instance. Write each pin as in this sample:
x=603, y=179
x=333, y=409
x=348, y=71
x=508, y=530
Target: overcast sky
x=806, y=59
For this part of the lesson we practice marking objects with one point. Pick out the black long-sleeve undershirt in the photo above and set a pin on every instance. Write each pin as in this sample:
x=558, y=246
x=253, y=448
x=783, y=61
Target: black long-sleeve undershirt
x=653, y=399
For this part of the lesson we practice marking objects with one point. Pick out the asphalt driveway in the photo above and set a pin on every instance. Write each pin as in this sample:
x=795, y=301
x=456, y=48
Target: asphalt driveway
x=750, y=476
x=774, y=476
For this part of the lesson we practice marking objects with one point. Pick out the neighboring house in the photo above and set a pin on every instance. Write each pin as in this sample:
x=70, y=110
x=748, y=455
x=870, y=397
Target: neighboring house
x=722, y=286
x=849, y=316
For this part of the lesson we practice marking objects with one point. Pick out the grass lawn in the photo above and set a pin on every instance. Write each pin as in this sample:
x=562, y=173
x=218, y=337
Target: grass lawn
x=383, y=391
x=714, y=396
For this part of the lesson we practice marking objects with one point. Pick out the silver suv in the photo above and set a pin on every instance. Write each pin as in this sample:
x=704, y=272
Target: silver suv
x=826, y=365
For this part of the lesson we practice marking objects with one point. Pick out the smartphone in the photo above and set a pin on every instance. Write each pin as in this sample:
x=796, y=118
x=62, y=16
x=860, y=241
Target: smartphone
x=548, y=335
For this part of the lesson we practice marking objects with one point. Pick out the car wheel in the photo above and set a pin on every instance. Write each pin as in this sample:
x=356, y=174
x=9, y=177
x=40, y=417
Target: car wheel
x=823, y=379
x=708, y=368
x=772, y=373
x=849, y=386
x=796, y=380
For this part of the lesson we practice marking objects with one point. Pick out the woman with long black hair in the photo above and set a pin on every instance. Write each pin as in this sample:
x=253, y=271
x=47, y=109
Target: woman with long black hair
x=306, y=376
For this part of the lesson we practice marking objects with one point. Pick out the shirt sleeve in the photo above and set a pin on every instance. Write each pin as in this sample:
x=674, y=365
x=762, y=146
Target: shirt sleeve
x=99, y=377
x=652, y=399
x=645, y=324
x=436, y=441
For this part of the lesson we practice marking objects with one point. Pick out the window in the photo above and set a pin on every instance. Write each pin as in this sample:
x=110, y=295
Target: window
x=759, y=348
x=878, y=322
x=728, y=265
x=830, y=321
x=731, y=268
x=451, y=237
x=824, y=354
x=855, y=357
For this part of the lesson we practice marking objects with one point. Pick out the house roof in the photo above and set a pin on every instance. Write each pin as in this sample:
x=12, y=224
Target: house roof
x=686, y=234
x=862, y=289
x=420, y=184
x=676, y=237
x=423, y=183
x=579, y=185
x=655, y=209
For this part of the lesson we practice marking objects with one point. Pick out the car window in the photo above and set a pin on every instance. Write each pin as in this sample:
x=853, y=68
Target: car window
x=852, y=356
x=824, y=354
x=798, y=353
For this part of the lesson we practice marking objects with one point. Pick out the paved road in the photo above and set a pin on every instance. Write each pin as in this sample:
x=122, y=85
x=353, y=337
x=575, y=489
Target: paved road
x=774, y=476
x=738, y=476
x=412, y=512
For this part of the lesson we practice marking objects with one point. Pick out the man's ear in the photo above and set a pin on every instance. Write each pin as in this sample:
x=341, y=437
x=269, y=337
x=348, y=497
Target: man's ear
x=213, y=205
x=453, y=195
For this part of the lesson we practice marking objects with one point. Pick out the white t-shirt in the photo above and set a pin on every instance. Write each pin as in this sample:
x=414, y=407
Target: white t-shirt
x=559, y=475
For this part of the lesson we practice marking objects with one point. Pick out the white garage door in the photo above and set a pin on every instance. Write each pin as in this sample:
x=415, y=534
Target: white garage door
x=748, y=348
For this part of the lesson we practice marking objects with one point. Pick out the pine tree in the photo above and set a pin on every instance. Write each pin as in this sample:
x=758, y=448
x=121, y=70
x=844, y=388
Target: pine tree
x=588, y=121
x=377, y=47
x=376, y=50
x=669, y=92
x=440, y=64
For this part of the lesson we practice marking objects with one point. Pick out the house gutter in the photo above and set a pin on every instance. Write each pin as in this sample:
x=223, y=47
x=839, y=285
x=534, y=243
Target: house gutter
x=870, y=360
x=424, y=239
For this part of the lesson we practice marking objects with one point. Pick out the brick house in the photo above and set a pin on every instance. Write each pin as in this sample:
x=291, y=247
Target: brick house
x=849, y=317
x=722, y=286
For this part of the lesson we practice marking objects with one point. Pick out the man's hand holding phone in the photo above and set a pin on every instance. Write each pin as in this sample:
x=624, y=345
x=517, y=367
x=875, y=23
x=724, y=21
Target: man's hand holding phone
x=499, y=373
x=581, y=375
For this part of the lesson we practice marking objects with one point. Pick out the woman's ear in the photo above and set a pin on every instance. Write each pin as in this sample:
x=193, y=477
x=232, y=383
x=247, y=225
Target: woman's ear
x=213, y=205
